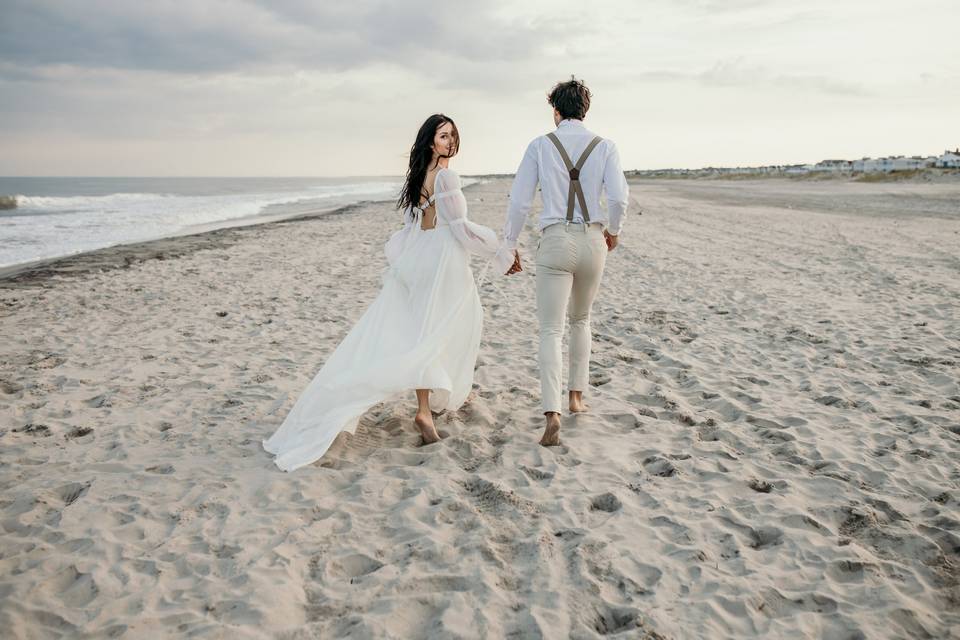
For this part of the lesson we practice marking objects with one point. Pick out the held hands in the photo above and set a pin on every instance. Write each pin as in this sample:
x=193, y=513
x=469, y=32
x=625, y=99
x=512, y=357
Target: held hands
x=516, y=267
x=611, y=239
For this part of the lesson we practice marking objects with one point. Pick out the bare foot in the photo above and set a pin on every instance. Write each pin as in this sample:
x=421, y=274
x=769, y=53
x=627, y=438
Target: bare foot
x=551, y=435
x=427, y=431
x=576, y=402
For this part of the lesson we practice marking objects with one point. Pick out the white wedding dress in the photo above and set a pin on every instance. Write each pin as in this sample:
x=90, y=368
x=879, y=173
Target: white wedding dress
x=421, y=332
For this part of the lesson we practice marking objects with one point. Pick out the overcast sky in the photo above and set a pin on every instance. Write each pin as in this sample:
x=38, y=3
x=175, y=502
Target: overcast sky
x=308, y=87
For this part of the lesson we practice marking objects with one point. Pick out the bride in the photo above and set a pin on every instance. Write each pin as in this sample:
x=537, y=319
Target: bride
x=422, y=332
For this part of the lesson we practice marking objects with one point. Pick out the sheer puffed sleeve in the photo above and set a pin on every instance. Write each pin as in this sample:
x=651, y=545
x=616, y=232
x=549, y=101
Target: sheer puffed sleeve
x=476, y=238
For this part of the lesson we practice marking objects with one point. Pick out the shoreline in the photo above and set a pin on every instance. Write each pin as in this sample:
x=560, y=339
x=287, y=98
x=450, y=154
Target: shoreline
x=212, y=235
x=194, y=238
x=201, y=236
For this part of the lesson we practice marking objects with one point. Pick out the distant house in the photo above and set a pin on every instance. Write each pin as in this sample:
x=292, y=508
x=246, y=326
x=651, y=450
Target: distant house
x=906, y=164
x=880, y=165
x=833, y=165
x=949, y=159
x=874, y=165
x=893, y=163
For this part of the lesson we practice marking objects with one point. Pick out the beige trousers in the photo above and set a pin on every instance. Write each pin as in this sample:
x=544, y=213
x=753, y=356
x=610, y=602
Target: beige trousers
x=570, y=260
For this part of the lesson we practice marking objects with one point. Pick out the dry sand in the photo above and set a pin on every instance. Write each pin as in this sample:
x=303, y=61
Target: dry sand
x=772, y=448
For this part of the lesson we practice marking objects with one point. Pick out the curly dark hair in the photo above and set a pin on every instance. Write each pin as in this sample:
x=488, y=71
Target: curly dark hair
x=421, y=155
x=570, y=98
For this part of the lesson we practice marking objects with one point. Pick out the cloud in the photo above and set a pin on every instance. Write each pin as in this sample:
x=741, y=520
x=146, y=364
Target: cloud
x=306, y=86
x=209, y=36
x=736, y=73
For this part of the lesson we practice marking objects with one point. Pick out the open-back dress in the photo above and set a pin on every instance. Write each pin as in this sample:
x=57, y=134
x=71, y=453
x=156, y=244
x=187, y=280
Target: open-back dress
x=421, y=332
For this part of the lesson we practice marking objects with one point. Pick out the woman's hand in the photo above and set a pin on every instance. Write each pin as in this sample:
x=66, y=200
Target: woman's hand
x=516, y=267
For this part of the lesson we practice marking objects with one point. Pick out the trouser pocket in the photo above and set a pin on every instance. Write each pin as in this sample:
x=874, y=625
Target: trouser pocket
x=556, y=251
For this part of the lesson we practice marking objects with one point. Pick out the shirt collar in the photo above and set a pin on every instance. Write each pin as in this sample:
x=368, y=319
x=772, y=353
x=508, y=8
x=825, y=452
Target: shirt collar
x=573, y=122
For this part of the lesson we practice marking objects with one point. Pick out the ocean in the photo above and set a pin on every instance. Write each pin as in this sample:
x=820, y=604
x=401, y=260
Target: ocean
x=57, y=217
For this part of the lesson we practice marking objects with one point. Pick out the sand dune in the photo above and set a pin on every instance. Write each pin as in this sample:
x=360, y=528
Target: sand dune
x=772, y=448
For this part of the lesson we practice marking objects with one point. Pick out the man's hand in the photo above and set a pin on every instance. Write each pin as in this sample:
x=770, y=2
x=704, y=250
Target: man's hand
x=516, y=267
x=611, y=239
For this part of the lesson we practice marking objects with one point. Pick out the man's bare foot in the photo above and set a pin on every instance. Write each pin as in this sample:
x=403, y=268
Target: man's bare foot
x=576, y=402
x=427, y=431
x=551, y=435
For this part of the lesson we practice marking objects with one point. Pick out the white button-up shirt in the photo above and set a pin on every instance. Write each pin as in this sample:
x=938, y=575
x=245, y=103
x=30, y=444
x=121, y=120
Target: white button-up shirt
x=542, y=164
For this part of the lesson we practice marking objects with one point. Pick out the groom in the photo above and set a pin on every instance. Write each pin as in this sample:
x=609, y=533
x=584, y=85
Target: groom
x=572, y=166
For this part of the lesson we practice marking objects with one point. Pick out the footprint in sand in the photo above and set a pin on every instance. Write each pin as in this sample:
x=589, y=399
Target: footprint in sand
x=353, y=566
x=438, y=584
x=489, y=497
x=47, y=361
x=606, y=502
x=776, y=605
x=163, y=469
x=615, y=620
x=563, y=458
x=760, y=486
x=658, y=466
x=100, y=401
x=764, y=537
x=627, y=421
x=536, y=474
x=75, y=589
x=10, y=387
x=78, y=432
x=678, y=532
x=72, y=492
x=763, y=422
x=776, y=437
x=847, y=571
x=41, y=430
x=599, y=379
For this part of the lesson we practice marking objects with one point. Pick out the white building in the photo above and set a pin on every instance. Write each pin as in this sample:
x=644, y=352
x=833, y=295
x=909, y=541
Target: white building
x=949, y=159
x=833, y=165
x=873, y=165
x=894, y=163
x=905, y=164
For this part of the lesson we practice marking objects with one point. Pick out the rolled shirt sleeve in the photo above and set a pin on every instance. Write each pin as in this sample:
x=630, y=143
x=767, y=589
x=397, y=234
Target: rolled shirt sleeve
x=617, y=191
x=521, y=196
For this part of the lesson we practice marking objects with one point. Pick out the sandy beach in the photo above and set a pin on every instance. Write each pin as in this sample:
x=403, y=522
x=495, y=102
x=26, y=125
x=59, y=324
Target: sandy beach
x=772, y=448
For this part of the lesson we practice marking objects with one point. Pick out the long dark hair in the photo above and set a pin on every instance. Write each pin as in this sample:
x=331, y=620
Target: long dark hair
x=421, y=153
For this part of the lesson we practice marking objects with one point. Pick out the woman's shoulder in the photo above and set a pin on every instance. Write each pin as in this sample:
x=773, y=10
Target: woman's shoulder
x=447, y=179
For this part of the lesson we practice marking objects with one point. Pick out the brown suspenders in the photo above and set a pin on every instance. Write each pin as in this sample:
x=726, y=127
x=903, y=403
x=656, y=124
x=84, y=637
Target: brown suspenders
x=576, y=192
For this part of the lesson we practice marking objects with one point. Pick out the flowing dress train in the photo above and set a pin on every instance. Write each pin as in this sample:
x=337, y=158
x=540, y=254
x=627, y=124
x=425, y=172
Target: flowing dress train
x=421, y=332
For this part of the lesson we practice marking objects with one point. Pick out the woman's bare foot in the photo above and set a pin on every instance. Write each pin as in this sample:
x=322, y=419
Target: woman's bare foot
x=427, y=431
x=551, y=435
x=576, y=402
